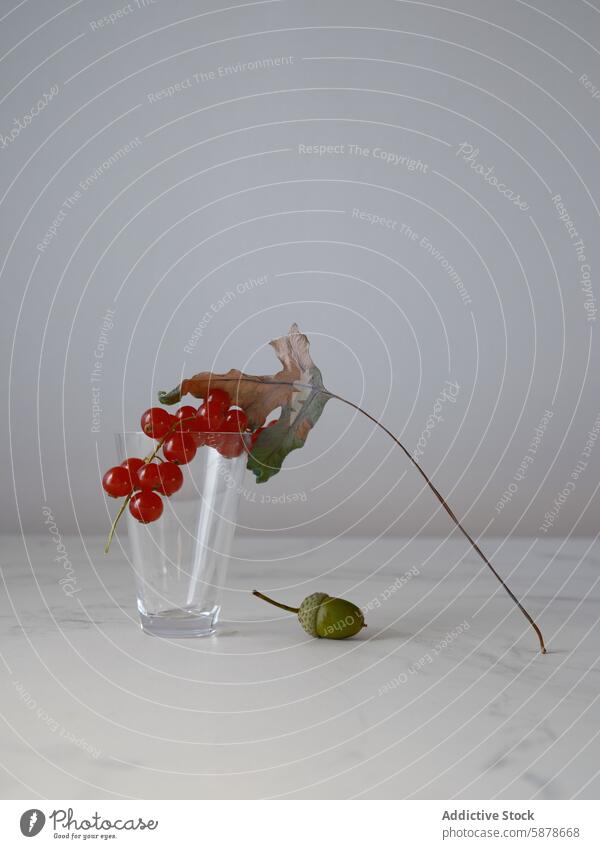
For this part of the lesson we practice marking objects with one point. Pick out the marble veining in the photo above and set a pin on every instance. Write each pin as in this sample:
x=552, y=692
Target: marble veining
x=445, y=695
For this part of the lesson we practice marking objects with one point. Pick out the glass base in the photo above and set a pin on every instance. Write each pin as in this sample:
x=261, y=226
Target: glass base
x=180, y=623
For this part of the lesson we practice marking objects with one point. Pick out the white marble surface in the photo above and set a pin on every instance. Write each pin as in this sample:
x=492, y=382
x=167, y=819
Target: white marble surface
x=92, y=707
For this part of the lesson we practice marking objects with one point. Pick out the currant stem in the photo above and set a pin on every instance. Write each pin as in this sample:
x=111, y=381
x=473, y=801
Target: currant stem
x=147, y=459
x=115, y=522
x=276, y=603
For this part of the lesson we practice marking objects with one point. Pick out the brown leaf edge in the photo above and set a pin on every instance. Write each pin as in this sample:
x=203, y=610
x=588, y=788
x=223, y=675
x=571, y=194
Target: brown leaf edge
x=423, y=474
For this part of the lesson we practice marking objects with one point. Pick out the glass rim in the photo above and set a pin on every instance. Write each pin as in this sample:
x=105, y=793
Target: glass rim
x=247, y=433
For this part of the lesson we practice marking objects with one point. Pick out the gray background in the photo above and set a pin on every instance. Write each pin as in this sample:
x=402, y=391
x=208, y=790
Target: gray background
x=217, y=192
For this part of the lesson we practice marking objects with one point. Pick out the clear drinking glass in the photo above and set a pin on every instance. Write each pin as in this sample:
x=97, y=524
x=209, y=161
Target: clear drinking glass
x=180, y=560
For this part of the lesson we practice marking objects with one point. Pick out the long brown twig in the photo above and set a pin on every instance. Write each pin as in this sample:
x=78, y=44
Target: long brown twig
x=452, y=515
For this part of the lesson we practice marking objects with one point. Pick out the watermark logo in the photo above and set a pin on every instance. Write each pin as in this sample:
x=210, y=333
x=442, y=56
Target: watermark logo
x=470, y=154
x=95, y=823
x=449, y=393
x=24, y=121
x=32, y=822
x=68, y=582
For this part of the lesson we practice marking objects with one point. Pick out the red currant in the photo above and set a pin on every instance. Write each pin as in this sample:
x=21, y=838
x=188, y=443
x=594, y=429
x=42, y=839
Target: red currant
x=180, y=448
x=200, y=438
x=210, y=419
x=188, y=420
x=156, y=422
x=117, y=482
x=171, y=478
x=230, y=445
x=218, y=401
x=133, y=465
x=146, y=507
x=235, y=421
x=147, y=477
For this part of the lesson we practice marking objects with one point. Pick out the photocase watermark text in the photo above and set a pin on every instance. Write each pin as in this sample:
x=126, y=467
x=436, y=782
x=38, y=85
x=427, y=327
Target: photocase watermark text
x=449, y=393
x=470, y=154
x=68, y=582
x=96, y=822
x=25, y=120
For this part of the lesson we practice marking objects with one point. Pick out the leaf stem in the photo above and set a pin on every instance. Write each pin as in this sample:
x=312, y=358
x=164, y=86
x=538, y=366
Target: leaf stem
x=276, y=603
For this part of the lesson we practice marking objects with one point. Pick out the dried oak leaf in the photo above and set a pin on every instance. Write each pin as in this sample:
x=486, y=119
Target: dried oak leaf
x=297, y=388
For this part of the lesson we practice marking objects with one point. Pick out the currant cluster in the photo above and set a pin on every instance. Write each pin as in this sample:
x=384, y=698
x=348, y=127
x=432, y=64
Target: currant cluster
x=142, y=482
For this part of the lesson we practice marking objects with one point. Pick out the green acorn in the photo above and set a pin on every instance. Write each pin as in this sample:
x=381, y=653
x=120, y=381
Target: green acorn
x=323, y=616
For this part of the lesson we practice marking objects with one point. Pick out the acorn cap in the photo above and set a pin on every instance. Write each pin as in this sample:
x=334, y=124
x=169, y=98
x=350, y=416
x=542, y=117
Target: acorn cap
x=308, y=610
